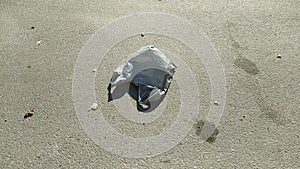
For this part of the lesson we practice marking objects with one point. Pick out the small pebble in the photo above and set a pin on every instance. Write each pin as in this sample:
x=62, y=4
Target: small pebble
x=32, y=27
x=278, y=56
x=28, y=113
x=94, y=70
x=216, y=103
x=94, y=106
x=142, y=34
x=39, y=42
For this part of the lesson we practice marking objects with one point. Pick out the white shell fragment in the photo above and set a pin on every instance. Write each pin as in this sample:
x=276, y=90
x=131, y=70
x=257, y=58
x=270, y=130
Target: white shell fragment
x=94, y=106
x=39, y=42
x=148, y=69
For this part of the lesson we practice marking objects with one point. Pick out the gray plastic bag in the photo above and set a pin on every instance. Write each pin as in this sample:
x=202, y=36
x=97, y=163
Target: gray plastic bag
x=149, y=70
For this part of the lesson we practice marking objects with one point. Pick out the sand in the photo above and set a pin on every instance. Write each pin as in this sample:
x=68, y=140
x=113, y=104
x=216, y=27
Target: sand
x=257, y=42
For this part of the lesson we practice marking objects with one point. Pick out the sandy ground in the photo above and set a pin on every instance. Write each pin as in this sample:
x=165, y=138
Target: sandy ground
x=257, y=41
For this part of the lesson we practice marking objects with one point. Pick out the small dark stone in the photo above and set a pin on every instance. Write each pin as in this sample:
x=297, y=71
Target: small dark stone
x=279, y=57
x=5, y=120
x=142, y=35
x=242, y=120
x=244, y=116
x=143, y=123
x=32, y=27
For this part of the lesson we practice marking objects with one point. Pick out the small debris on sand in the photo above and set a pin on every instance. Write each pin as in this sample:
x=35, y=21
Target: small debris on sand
x=94, y=70
x=279, y=56
x=28, y=113
x=93, y=106
x=39, y=42
x=216, y=103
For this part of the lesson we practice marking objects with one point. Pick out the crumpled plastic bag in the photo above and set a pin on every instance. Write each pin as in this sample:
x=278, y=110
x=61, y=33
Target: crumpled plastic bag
x=149, y=70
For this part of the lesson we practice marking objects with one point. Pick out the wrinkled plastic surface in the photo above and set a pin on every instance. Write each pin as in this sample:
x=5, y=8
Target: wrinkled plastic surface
x=148, y=69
